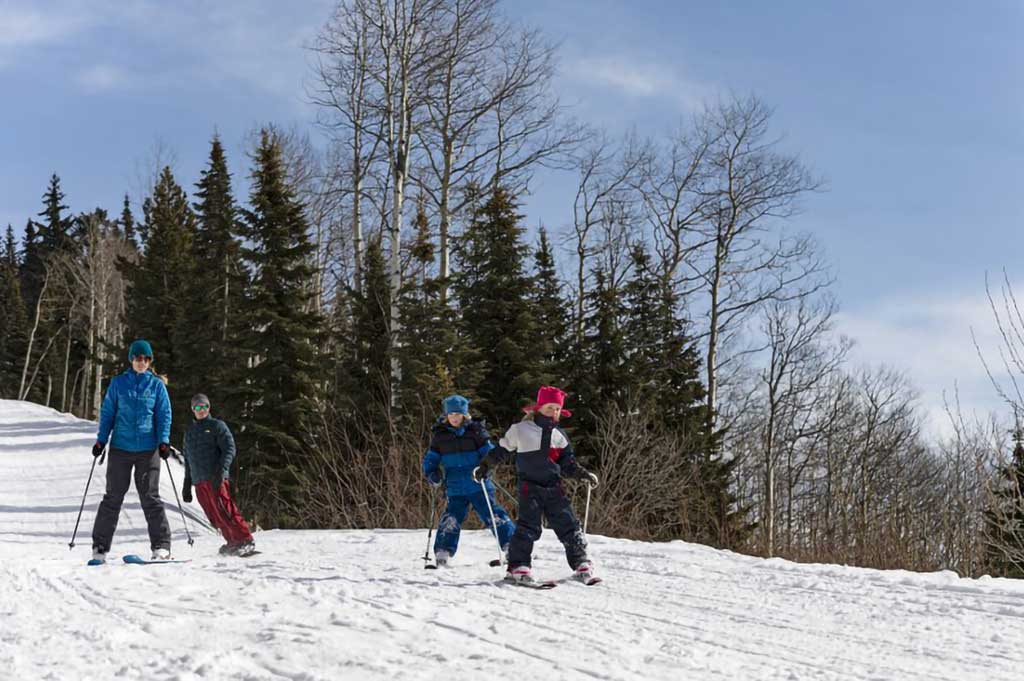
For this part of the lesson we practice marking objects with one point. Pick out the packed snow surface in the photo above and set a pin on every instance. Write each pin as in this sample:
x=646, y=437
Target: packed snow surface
x=357, y=604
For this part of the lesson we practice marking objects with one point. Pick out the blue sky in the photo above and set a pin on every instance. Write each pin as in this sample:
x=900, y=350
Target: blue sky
x=911, y=110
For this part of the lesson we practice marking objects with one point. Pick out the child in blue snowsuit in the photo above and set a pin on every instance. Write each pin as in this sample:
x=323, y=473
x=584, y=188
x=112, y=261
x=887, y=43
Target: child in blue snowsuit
x=457, y=445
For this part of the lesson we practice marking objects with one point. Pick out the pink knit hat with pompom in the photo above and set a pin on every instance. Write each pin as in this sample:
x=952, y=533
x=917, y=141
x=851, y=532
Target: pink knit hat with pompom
x=549, y=394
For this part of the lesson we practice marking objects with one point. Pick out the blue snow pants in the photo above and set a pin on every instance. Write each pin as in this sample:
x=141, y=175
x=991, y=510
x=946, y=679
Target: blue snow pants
x=450, y=525
x=537, y=502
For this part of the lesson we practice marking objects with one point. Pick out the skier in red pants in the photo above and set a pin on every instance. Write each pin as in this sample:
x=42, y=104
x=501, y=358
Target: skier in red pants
x=209, y=451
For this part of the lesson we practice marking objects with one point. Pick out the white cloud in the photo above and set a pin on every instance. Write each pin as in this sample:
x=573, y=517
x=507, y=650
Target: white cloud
x=246, y=41
x=929, y=338
x=25, y=25
x=101, y=78
x=635, y=79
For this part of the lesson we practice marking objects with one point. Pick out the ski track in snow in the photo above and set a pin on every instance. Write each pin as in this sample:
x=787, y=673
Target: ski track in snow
x=357, y=604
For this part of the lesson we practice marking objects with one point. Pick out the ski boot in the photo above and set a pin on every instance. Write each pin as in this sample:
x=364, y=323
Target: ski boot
x=520, y=574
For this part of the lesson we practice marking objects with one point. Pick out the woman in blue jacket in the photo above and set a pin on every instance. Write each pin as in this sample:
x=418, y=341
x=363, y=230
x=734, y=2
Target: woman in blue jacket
x=457, y=445
x=137, y=411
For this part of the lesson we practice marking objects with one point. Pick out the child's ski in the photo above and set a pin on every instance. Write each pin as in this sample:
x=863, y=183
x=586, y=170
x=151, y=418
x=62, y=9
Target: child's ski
x=531, y=584
x=133, y=559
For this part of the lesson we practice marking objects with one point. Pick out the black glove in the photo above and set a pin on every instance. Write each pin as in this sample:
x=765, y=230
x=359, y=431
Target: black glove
x=481, y=472
x=165, y=450
x=434, y=479
x=97, y=449
x=215, y=483
x=587, y=477
x=186, y=490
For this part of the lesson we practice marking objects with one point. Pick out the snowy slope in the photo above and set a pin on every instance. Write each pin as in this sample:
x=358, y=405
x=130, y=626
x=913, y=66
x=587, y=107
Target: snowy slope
x=358, y=605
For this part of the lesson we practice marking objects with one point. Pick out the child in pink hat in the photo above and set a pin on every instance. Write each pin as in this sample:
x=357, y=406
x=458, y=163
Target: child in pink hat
x=543, y=457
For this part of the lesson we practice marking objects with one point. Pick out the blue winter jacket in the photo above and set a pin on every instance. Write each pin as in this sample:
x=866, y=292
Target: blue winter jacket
x=454, y=453
x=138, y=410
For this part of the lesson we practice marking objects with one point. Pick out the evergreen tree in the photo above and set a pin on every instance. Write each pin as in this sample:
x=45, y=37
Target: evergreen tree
x=663, y=362
x=664, y=369
x=367, y=372
x=126, y=224
x=13, y=320
x=636, y=360
x=552, y=315
x=212, y=362
x=54, y=236
x=161, y=287
x=55, y=230
x=435, y=360
x=1004, y=519
x=597, y=364
x=283, y=340
x=492, y=289
x=32, y=270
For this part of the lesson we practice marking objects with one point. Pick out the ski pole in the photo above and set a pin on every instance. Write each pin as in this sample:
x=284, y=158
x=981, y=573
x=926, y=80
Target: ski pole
x=176, y=498
x=74, y=534
x=494, y=525
x=430, y=532
x=586, y=513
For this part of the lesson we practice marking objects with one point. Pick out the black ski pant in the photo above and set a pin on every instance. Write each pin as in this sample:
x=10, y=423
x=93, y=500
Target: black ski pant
x=146, y=466
x=537, y=502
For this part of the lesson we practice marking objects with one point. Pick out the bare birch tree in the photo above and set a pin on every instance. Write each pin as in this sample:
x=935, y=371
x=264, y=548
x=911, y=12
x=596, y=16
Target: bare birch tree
x=45, y=304
x=95, y=274
x=748, y=184
x=344, y=47
x=800, y=357
x=671, y=184
x=1004, y=531
x=607, y=173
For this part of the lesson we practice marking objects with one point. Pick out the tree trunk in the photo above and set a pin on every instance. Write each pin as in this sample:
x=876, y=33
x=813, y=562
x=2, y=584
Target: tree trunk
x=357, y=211
x=22, y=390
x=398, y=196
x=445, y=218
x=712, y=359
x=769, y=489
x=64, y=382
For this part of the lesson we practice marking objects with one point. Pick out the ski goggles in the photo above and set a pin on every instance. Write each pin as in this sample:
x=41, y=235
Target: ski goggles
x=200, y=407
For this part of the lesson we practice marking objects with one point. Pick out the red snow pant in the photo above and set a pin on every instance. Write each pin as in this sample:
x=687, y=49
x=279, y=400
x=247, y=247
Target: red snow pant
x=222, y=512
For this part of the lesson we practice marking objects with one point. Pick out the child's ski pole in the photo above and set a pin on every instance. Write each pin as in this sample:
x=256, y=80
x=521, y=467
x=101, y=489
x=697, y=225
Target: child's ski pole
x=494, y=525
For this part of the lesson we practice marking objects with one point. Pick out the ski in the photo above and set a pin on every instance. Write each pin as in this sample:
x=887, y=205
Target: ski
x=531, y=584
x=589, y=581
x=133, y=559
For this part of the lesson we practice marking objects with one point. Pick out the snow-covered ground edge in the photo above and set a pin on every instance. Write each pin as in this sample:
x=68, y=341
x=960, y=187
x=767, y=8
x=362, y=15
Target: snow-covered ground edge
x=357, y=604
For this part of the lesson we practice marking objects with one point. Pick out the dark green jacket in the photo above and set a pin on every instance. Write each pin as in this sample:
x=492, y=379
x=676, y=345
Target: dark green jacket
x=209, y=450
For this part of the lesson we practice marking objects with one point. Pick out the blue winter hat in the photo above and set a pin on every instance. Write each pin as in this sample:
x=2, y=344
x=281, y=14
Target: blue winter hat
x=139, y=347
x=456, y=404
